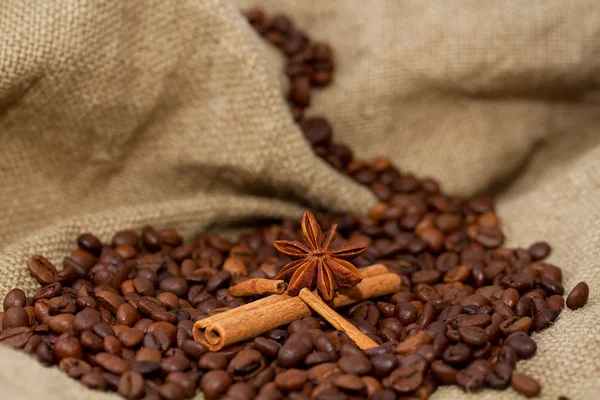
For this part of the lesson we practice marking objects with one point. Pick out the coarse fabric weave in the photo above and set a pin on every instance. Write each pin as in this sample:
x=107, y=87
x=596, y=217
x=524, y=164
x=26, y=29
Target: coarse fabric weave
x=117, y=114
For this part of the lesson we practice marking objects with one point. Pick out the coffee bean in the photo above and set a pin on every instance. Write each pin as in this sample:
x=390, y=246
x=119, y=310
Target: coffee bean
x=112, y=345
x=290, y=380
x=94, y=380
x=544, y=318
x=241, y=391
x=383, y=364
x=472, y=378
x=91, y=342
x=131, y=385
x=215, y=383
x=14, y=298
x=446, y=374
x=130, y=337
x=42, y=269
x=213, y=361
x=188, y=381
x=67, y=346
x=15, y=317
x=61, y=323
x=125, y=237
x=473, y=335
x=291, y=355
x=171, y=391
x=47, y=292
x=74, y=367
x=145, y=367
x=406, y=313
x=499, y=377
x=174, y=364
x=457, y=355
x=539, y=250
x=86, y=319
x=578, y=296
x=523, y=345
x=525, y=385
x=111, y=363
x=404, y=379
x=355, y=364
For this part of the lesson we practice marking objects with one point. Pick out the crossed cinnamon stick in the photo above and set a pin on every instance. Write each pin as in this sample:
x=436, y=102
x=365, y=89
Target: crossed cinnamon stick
x=260, y=316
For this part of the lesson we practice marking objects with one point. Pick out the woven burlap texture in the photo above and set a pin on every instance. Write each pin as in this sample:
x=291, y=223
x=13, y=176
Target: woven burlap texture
x=116, y=114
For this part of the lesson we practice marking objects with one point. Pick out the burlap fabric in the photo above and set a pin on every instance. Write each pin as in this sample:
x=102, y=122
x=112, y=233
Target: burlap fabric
x=116, y=114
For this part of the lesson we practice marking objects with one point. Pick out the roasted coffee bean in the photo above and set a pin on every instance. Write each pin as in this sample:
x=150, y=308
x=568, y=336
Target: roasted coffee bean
x=61, y=323
x=292, y=355
x=290, y=380
x=473, y=335
x=15, y=298
x=15, y=317
x=213, y=361
x=111, y=363
x=90, y=243
x=406, y=313
x=445, y=374
x=499, y=376
x=268, y=347
x=215, y=383
x=171, y=391
x=355, y=364
x=472, y=378
x=523, y=345
x=145, y=367
x=176, y=363
x=112, y=345
x=578, y=296
x=131, y=385
x=457, y=355
x=404, y=379
x=544, y=318
x=85, y=319
x=94, y=380
x=525, y=385
x=74, y=367
x=42, y=269
x=130, y=337
x=245, y=362
x=539, y=250
x=67, y=346
x=383, y=364
x=91, y=342
x=188, y=381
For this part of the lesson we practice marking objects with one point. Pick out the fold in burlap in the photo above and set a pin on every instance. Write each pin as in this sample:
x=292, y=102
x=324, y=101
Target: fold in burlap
x=118, y=114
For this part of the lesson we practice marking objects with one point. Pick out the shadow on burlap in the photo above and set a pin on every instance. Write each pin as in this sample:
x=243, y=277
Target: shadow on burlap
x=117, y=114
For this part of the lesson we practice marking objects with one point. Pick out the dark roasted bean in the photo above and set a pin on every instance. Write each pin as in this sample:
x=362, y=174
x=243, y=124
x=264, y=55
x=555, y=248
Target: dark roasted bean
x=578, y=296
x=525, y=385
x=215, y=383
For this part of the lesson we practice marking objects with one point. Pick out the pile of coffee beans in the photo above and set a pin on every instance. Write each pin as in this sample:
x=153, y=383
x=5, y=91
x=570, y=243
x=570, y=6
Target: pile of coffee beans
x=118, y=316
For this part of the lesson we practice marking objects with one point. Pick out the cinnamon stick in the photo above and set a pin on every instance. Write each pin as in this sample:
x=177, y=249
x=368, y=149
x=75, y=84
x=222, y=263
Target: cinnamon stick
x=253, y=319
x=257, y=287
x=336, y=320
x=370, y=271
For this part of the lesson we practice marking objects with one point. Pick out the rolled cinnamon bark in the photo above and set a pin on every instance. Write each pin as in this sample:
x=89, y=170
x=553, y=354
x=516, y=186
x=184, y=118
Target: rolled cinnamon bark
x=257, y=287
x=252, y=320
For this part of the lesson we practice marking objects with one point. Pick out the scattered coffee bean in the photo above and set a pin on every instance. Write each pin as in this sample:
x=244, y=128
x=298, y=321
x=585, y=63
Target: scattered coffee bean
x=578, y=296
x=525, y=385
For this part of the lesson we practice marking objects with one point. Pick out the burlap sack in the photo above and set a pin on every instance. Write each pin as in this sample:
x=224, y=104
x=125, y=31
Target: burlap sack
x=116, y=114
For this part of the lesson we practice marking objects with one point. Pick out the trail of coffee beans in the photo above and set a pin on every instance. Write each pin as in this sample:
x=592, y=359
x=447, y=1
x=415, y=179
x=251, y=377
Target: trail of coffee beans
x=118, y=316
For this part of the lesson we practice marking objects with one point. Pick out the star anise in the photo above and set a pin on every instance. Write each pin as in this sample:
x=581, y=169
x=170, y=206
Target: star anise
x=316, y=264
